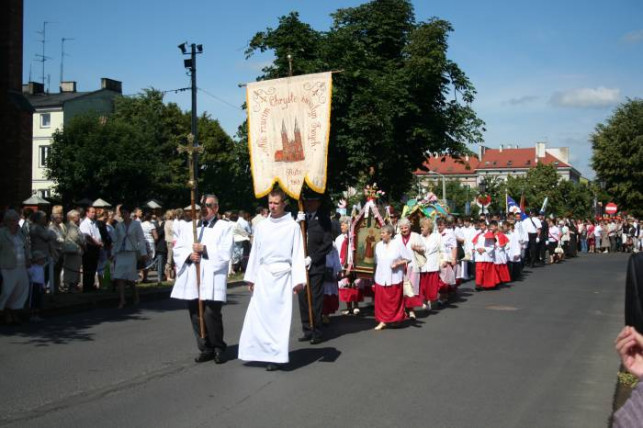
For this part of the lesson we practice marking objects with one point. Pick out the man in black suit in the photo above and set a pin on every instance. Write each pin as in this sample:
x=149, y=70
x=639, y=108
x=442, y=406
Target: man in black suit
x=319, y=243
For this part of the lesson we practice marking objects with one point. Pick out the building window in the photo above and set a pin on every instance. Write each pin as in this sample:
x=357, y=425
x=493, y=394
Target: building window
x=45, y=120
x=45, y=193
x=44, y=154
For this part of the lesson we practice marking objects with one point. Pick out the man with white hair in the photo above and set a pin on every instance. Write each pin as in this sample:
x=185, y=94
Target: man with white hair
x=212, y=251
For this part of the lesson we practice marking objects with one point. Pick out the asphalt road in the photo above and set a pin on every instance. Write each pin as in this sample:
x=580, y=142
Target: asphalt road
x=537, y=354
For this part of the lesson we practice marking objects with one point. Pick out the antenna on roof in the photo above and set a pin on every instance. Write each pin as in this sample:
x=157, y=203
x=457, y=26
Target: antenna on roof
x=43, y=57
x=63, y=55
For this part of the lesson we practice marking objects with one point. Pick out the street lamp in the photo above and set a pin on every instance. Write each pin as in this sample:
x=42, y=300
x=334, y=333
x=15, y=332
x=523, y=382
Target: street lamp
x=444, y=186
x=190, y=64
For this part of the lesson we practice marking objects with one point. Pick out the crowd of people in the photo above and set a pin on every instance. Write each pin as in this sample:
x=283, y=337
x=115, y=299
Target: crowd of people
x=89, y=248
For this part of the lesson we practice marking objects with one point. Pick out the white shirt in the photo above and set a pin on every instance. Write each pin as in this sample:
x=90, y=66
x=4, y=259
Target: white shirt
x=432, y=252
x=532, y=224
x=385, y=255
x=89, y=227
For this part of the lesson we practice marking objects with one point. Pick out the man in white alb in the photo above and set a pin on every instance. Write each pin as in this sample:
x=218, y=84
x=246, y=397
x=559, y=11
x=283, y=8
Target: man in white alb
x=276, y=269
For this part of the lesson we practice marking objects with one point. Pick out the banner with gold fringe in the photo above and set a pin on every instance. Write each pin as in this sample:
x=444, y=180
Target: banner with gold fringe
x=288, y=132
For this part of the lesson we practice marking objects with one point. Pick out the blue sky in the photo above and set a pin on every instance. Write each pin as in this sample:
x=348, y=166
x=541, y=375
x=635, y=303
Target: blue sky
x=544, y=71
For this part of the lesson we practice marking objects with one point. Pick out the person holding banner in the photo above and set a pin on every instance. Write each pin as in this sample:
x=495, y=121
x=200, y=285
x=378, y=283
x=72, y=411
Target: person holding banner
x=276, y=269
x=213, y=251
x=319, y=244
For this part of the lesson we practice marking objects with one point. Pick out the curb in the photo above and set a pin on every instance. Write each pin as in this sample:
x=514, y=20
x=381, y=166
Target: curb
x=100, y=301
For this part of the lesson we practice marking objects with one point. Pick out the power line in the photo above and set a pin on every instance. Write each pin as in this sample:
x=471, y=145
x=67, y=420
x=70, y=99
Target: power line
x=220, y=99
x=176, y=91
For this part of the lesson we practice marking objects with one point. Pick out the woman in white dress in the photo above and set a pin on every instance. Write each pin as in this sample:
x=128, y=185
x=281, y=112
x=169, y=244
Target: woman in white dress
x=412, y=293
x=129, y=246
x=151, y=236
x=431, y=248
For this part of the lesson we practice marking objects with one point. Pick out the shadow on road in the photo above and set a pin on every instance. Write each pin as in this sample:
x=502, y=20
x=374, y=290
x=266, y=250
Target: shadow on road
x=73, y=328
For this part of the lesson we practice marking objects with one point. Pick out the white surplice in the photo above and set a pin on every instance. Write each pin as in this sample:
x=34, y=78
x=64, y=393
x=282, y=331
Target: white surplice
x=214, y=267
x=275, y=266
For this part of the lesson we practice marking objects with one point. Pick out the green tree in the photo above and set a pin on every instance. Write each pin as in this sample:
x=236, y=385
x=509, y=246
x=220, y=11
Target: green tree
x=397, y=97
x=618, y=155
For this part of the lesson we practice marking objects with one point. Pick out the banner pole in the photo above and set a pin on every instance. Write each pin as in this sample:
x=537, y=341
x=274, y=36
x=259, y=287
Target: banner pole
x=309, y=293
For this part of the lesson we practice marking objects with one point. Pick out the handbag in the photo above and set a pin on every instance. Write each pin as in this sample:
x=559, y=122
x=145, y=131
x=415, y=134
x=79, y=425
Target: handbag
x=407, y=287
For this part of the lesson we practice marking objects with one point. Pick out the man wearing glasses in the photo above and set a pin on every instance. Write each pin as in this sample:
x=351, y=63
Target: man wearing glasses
x=212, y=250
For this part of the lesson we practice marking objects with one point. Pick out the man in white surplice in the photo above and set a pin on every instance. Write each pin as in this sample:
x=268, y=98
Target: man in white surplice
x=276, y=269
x=213, y=250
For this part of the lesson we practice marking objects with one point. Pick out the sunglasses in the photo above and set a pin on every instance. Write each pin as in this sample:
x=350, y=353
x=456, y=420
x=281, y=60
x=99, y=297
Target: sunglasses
x=211, y=205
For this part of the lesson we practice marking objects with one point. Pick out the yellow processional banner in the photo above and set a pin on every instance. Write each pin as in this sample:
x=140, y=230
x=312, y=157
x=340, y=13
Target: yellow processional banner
x=288, y=132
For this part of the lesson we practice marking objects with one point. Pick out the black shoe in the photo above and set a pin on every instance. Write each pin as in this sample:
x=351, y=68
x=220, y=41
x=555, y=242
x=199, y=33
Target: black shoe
x=305, y=338
x=203, y=357
x=271, y=367
x=219, y=357
x=315, y=340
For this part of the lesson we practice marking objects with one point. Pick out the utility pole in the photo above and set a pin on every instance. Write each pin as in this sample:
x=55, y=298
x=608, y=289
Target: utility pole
x=190, y=64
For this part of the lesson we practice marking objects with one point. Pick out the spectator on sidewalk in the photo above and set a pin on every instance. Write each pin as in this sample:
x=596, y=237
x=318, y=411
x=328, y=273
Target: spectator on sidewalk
x=15, y=259
x=93, y=244
x=73, y=249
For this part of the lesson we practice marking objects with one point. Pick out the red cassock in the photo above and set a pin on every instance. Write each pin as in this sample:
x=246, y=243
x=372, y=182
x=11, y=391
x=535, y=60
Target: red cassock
x=486, y=275
x=353, y=294
x=429, y=285
x=502, y=273
x=389, y=303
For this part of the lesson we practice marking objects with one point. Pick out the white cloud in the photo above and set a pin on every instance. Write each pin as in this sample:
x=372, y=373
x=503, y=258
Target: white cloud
x=633, y=37
x=586, y=97
x=526, y=99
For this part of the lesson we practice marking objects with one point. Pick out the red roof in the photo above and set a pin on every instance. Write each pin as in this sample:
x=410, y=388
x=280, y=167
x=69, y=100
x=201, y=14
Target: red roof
x=447, y=165
x=492, y=159
x=516, y=158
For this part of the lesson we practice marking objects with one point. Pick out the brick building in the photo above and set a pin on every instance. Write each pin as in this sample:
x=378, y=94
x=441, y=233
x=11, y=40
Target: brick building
x=15, y=110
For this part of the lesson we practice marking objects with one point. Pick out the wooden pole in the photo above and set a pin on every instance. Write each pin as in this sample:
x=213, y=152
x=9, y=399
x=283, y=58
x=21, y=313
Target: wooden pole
x=309, y=293
x=197, y=265
x=192, y=150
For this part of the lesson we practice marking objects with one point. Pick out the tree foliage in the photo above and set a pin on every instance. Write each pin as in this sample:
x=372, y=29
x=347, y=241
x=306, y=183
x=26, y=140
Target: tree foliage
x=132, y=156
x=397, y=97
x=618, y=155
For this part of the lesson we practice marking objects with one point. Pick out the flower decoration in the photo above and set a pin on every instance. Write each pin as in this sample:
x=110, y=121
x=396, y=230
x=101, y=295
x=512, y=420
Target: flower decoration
x=372, y=192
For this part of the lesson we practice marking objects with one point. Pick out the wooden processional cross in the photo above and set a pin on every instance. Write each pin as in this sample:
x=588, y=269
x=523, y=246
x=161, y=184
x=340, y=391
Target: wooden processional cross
x=192, y=151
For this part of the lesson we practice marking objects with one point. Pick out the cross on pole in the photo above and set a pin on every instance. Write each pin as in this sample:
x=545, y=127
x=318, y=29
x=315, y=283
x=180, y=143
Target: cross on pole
x=192, y=151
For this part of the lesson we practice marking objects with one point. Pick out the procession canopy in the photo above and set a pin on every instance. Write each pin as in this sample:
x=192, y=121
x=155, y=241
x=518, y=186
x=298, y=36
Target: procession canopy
x=288, y=132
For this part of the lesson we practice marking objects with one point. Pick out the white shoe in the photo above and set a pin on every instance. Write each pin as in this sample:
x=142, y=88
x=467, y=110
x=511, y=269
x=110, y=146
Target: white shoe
x=356, y=311
x=427, y=306
x=412, y=315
